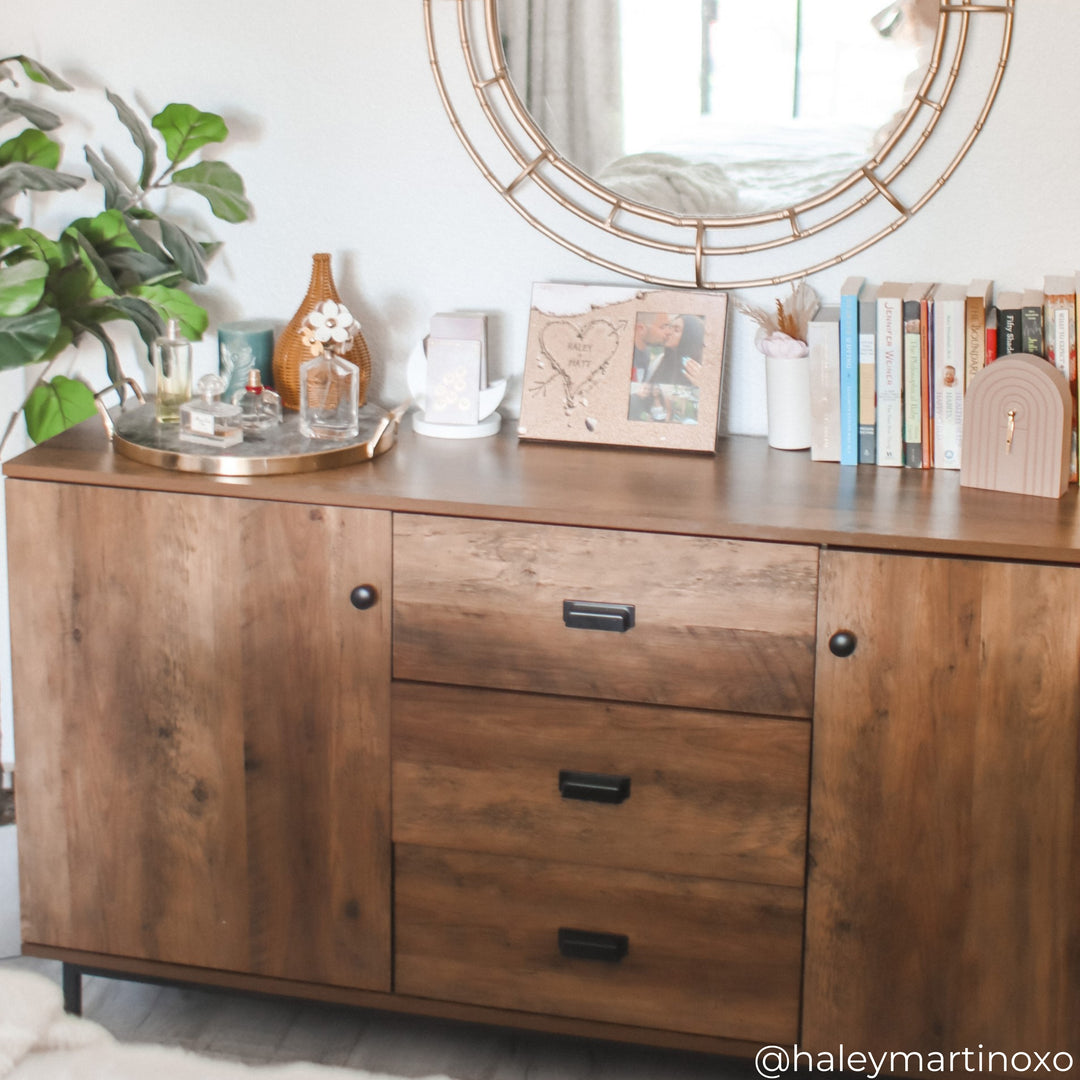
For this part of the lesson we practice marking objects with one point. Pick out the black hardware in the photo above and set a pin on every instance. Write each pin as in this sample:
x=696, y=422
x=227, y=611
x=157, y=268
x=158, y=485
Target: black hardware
x=589, y=945
x=593, y=787
x=586, y=616
x=842, y=643
x=363, y=597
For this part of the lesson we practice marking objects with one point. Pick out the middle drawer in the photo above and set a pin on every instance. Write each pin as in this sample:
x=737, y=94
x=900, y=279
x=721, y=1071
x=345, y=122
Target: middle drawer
x=601, y=783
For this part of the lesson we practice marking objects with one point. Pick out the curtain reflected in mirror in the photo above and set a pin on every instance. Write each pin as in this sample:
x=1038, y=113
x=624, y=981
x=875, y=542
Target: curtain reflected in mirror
x=716, y=107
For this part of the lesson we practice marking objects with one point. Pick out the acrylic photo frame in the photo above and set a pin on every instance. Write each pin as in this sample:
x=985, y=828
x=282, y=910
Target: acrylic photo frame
x=618, y=366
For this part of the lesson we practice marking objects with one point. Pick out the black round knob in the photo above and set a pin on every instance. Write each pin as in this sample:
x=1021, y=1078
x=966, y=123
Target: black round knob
x=363, y=597
x=842, y=643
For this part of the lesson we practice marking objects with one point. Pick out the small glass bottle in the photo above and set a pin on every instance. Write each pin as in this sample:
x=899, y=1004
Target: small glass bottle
x=260, y=408
x=172, y=369
x=329, y=398
x=209, y=420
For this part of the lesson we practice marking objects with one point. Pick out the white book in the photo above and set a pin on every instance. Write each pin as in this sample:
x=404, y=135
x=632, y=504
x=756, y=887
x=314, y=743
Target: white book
x=889, y=373
x=947, y=365
x=823, y=340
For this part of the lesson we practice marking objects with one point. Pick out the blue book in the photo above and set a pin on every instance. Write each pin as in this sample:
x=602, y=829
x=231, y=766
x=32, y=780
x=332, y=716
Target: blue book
x=849, y=370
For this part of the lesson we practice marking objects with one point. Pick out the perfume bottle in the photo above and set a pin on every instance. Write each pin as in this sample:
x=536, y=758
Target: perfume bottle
x=172, y=369
x=329, y=397
x=209, y=420
x=259, y=407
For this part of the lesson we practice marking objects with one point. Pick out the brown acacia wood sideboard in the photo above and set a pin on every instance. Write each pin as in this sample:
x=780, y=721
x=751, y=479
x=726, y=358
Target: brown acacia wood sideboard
x=700, y=752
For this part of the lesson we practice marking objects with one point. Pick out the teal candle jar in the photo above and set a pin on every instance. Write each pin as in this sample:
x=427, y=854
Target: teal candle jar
x=242, y=346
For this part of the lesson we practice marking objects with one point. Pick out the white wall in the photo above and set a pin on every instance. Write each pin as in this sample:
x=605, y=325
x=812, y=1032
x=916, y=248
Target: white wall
x=344, y=145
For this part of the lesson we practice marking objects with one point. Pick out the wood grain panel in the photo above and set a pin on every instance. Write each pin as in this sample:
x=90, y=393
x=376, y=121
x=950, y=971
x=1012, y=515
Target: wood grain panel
x=704, y=956
x=316, y=710
x=944, y=849
x=715, y=795
x=130, y=758
x=202, y=730
x=719, y=624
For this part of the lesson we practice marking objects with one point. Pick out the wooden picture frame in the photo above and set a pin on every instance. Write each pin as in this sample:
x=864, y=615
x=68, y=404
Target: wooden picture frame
x=624, y=366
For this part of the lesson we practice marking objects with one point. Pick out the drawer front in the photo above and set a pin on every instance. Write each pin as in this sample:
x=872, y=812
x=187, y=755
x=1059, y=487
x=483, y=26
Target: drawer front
x=642, y=787
x=707, y=957
x=717, y=624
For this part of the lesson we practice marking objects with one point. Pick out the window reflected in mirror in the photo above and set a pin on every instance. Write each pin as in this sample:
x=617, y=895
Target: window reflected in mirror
x=717, y=107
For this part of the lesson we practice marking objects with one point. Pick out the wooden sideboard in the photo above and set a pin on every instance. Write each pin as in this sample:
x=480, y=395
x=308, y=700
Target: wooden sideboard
x=700, y=752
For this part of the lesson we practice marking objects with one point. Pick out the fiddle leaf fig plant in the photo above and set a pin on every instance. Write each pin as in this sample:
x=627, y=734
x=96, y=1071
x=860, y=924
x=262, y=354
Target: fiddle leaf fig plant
x=127, y=262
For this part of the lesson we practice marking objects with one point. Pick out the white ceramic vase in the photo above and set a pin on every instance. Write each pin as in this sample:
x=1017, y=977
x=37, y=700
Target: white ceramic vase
x=787, y=393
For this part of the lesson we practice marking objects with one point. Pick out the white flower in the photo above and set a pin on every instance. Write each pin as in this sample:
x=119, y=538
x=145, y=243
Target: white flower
x=332, y=321
x=782, y=345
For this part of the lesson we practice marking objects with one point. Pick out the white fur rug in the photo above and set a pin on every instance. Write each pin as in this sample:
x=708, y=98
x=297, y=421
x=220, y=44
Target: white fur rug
x=39, y=1041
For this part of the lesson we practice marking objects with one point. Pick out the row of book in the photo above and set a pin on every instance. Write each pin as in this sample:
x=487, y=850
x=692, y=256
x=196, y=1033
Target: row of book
x=889, y=364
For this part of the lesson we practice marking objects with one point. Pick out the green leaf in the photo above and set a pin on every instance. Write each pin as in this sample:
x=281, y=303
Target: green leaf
x=186, y=129
x=143, y=314
x=20, y=244
x=18, y=176
x=186, y=251
x=175, y=304
x=104, y=284
x=220, y=185
x=144, y=239
x=107, y=230
x=22, y=287
x=116, y=191
x=112, y=361
x=13, y=108
x=39, y=73
x=32, y=147
x=26, y=339
x=131, y=268
x=56, y=406
x=140, y=136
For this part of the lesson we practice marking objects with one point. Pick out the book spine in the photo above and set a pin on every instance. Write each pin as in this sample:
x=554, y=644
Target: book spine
x=926, y=352
x=975, y=344
x=867, y=388
x=849, y=379
x=826, y=436
x=912, y=391
x=1060, y=331
x=1009, y=339
x=1031, y=330
x=889, y=380
x=949, y=335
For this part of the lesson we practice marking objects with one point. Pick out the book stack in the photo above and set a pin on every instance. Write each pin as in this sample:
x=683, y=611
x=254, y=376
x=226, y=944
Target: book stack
x=889, y=364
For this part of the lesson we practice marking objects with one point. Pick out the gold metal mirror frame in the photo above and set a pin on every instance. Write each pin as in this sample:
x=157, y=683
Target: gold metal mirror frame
x=530, y=164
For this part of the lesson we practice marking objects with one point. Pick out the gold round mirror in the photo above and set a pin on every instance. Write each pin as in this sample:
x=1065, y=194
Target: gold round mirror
x=717, y=144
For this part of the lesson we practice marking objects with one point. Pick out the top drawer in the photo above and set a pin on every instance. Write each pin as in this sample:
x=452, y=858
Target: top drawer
x=717, y=624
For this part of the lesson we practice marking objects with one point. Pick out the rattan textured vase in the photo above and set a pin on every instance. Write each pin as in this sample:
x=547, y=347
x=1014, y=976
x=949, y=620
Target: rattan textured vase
x=290, y=351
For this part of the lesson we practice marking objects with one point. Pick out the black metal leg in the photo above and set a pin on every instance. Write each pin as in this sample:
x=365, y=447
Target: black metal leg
x=72, y=983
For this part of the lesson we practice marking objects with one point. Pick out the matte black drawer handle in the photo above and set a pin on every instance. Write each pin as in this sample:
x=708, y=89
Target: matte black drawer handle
x=585, y=616
x=593, y=787
x=589, y=945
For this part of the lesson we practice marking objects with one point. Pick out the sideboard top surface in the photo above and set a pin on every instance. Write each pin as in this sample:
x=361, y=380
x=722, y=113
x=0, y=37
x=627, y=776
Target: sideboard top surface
x=746, y=491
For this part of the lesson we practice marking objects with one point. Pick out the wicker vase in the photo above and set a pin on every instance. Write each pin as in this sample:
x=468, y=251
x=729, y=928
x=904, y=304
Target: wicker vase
x=290, y=351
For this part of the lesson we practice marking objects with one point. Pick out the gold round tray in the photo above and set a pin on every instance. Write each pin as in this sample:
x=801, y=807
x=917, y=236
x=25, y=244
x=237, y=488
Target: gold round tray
x=136, y=434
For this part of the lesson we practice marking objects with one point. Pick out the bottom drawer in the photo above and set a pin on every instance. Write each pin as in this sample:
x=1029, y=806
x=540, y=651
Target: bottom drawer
x=702, y=956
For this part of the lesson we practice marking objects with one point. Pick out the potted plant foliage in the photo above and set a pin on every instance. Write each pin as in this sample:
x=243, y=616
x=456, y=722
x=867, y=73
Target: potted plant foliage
x=128, y=261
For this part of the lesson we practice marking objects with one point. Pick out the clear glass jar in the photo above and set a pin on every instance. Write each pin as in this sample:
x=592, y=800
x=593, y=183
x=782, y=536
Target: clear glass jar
x=172, y=371
x=209, y=420
x=260, y=408
x=329, y=398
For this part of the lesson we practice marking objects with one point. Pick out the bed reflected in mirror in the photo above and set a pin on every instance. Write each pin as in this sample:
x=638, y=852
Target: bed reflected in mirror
x=717, y=107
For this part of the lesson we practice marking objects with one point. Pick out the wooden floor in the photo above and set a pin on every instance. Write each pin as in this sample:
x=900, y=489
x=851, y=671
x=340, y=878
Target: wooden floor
x=260, y=1030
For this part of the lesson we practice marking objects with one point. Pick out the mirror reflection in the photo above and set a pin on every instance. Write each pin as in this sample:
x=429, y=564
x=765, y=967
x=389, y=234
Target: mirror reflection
x=717, y=107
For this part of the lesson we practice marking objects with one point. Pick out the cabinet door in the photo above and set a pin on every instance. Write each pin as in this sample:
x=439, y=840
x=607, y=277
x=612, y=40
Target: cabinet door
x=201, y=720
x=942, y=893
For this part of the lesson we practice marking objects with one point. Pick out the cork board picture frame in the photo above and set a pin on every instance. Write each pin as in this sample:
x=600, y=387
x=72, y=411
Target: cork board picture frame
x=624, y=366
